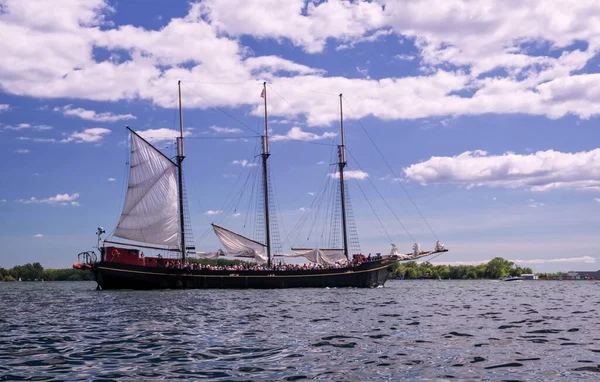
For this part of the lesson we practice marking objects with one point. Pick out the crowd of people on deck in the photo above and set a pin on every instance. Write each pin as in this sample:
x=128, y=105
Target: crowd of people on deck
x=193, y=266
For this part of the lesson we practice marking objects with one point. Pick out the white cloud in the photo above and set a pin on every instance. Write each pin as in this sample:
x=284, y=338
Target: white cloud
x=311, y=193
x=62, y=199
x=533, y=204
x=494, y=198
x=302, y=209
x=26, y=126
x=22, y=151
x=320, y=162
x=244, y=163
x=111, y=179
x=597, y=200
x=38, y=235
x=236, y=214
x=162, y=134
x=540, y=171
x=91, y=115
x=95, y=134
x=350, y=174
x=582, y=259
x=297, y=134
x=213, y=212
x=456, y=44
x=4, y=107
x=225, y=130
x=404, y=57
x=3, y=200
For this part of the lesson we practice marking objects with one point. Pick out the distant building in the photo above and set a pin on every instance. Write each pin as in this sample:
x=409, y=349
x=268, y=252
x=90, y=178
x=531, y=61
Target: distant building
x=589, y=275
x=529, y=276
x=571, y=275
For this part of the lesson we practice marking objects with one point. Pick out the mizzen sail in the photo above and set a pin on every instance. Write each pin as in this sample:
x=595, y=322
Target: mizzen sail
x=320, y=255
x=240, y=246
x=150, y=212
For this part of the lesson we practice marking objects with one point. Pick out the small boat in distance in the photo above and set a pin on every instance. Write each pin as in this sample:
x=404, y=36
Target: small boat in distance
x=153, y=218
x=512, y=278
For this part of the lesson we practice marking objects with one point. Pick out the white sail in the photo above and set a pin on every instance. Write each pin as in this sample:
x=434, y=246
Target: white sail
x=319, y=255
x=240, y=246
x=209, y=255
x=150, y=213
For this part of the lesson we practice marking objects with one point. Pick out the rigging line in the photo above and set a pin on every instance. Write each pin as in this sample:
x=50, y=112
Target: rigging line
x=223, y=111
x=382, y=198
x=220, y=83
x=224, y=137
x=392, y=171
x=302, y=219
x=306, y=90
x=375, y=213
x=124, y=178
x=298, y=112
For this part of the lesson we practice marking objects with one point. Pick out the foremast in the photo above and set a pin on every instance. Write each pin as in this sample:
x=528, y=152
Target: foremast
x=180, y=158
x=265, y=157
x=342, y=163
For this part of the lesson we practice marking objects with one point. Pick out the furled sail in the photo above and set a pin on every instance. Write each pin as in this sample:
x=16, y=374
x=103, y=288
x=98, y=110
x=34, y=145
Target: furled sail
x=150, y=213
x=240, y=246
x=320, y=255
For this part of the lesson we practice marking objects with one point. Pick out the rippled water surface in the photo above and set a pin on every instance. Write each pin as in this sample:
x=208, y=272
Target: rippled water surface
x=479, y=330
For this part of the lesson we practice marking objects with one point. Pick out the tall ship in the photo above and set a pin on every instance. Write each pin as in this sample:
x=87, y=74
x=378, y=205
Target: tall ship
x=153, y=219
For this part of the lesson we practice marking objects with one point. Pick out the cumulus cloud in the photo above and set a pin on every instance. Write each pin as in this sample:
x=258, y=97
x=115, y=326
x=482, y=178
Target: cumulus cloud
x=597, y=200
x=540, y=171
x=350, y=174
x=236, y=214
x=297, y=134
x=162, y=134
x=26, y=126
x=581, y=259
x=38, y=235
x=540, y=53
x=213, y=212
x=302, y=209
x=225, y=130
x=22, y=151
x=111, y=179
x=92, y=135
x=533, y=204
x=4, y=107
x=311, y=193
x=92, y=115
x=244, y=163
x=61, y=199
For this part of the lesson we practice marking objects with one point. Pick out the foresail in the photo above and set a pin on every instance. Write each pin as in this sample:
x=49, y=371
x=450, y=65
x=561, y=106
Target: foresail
x=150, y=213
x=240, y=246
x=320, y=256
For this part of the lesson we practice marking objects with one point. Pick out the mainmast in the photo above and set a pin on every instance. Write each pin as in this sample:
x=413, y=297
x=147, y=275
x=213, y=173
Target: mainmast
x=180, y=157
x=265, y=156
x=342, y=164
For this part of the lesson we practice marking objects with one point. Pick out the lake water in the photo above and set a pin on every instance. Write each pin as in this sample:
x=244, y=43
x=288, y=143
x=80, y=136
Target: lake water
x=473, y=330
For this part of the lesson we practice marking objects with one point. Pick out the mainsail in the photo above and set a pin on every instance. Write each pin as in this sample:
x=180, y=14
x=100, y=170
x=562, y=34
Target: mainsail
x=240, y=246
x=320, y=256
x=150, y=213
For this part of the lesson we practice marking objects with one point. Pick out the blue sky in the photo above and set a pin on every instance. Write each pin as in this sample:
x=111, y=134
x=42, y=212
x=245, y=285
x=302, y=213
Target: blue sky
x=486, y=114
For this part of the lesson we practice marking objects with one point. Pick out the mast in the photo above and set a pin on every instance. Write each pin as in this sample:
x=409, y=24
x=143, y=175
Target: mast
x=342, y=164
x=180, y=157
x=265, y=156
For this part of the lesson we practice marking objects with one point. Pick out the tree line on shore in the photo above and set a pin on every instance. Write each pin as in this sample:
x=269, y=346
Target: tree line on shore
x=35, y=272
x=494, y=269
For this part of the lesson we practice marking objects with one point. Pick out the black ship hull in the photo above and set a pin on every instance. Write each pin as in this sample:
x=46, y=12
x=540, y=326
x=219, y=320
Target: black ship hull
x=111, y=275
